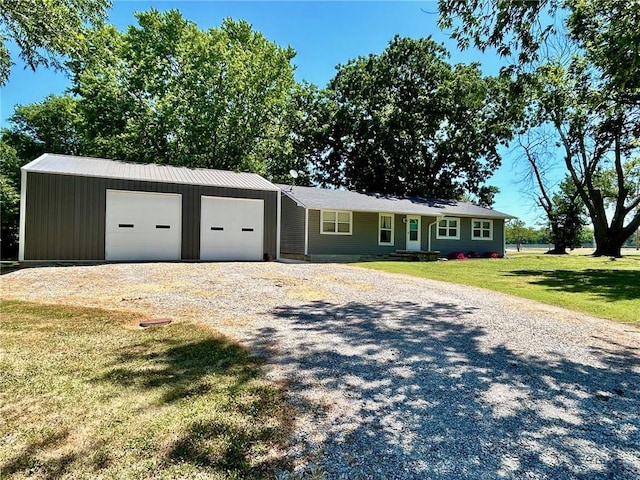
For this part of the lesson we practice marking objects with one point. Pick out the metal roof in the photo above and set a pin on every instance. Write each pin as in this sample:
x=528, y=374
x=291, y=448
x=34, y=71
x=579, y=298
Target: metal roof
x=101, y=167
x=320, y=198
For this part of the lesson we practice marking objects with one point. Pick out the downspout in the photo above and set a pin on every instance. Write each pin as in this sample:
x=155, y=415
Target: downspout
x=504, y=237
x=278, y=223
x=306, y=231
x=431, y=225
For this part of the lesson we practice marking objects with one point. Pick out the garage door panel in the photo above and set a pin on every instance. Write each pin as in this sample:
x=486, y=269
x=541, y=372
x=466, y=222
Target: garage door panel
x=143, y=226
x=231, y=229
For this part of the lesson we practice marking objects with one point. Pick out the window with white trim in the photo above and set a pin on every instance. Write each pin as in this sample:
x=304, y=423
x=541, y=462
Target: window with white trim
x=481, y=229
x=335, y=222
x=385, y=229
x=448, y=228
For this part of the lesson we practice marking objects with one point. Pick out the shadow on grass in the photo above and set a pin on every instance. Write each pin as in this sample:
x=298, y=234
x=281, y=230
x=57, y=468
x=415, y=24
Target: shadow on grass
x=246, y=415
x=180, y=370
x=221, y=415
x=610, y=284
x=431, y=392
x=28, y=461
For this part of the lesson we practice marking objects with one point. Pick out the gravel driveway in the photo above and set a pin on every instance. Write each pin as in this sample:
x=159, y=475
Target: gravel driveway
x=401, y=378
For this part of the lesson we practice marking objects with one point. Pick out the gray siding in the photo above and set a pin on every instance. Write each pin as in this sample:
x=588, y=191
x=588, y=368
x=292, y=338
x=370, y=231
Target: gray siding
x=65, y=214
x=364, y=238
x=362, y=241
x=466, y=244
x=292, y=227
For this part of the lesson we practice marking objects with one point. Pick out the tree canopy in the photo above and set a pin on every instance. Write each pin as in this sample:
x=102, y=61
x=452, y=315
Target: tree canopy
x=53, y=125
x=46, y=31
x=407, y=122
x=591, y=98
x=168, y=92
x=516, y=29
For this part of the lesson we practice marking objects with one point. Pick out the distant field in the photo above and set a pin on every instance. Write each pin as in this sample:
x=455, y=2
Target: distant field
x=603, y=287
x=579, y=251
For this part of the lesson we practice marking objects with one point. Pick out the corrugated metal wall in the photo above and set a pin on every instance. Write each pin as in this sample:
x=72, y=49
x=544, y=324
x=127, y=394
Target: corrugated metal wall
x=65, y=214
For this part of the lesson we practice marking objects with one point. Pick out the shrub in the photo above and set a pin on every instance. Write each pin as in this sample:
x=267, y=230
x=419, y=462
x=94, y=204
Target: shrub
x=491, y=255
x=456, y=256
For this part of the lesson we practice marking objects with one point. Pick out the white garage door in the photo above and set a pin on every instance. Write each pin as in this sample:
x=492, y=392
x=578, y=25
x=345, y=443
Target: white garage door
x=231, y=229
x=143, y=226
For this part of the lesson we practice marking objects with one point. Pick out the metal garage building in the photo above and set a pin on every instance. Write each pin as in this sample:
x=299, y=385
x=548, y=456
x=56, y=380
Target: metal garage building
x=93, y=209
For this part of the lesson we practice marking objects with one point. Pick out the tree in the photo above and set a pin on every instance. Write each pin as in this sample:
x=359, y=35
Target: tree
x=305, y=121
x=516, y=233
x=9, y=201
x=563, y=208
x=406, y=122
x=586, y=236
x=566, y=218
x=45, y=31
x=53, y=126
x=598, y=136
x=168, y=92
x=592, y=100
x=516, y=29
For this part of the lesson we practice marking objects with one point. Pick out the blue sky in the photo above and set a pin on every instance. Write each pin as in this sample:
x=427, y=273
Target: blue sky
x=324, y=34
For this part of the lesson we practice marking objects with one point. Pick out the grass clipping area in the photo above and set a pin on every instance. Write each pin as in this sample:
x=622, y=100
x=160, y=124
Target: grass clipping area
x=599, y=286
x=85, y=393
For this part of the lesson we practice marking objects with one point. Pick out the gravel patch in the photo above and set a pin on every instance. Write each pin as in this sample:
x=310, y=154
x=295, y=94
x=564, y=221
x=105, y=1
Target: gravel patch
x=400, y=378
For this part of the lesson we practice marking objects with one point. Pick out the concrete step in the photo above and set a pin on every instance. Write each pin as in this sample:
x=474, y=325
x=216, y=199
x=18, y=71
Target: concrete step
x=411, y=256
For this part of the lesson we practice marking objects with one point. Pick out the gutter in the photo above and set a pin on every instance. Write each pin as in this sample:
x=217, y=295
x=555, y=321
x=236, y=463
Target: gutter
x=438, y=218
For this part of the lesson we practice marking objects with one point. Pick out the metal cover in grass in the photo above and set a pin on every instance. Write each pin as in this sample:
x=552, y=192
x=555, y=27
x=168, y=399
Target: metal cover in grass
x=155, y=322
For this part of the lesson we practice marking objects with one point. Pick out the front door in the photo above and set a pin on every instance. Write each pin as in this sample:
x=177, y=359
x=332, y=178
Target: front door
x=413, y=232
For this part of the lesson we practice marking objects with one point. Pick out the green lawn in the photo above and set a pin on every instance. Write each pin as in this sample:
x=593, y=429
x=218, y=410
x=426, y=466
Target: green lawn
x=598, y=286
x=85, y=393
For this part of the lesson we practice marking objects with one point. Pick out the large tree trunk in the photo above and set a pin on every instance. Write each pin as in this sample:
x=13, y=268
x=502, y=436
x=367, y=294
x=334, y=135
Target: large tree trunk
x=608, y=247
x=609, y=241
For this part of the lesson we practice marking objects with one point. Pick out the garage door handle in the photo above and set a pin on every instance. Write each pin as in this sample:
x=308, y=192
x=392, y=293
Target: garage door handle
x=247, y=229
x=163, y=226
x=125, y=225
x=218, y=229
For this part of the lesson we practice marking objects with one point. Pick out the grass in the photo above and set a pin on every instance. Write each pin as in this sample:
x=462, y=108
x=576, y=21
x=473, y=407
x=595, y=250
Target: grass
x=85, y=393
x=601, y=287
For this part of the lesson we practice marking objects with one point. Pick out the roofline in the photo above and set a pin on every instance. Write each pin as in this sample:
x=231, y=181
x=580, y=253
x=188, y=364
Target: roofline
x=290, y=195
x=37, y=160
x=499, y=215
x=28, y=166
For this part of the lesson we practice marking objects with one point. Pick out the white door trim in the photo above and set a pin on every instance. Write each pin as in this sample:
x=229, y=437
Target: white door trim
x=413, y=245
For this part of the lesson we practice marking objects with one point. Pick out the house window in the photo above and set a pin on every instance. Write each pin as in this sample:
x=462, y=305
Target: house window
x=335, y=222
x=385, y=227
x=481, y=229
x=449, y=228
